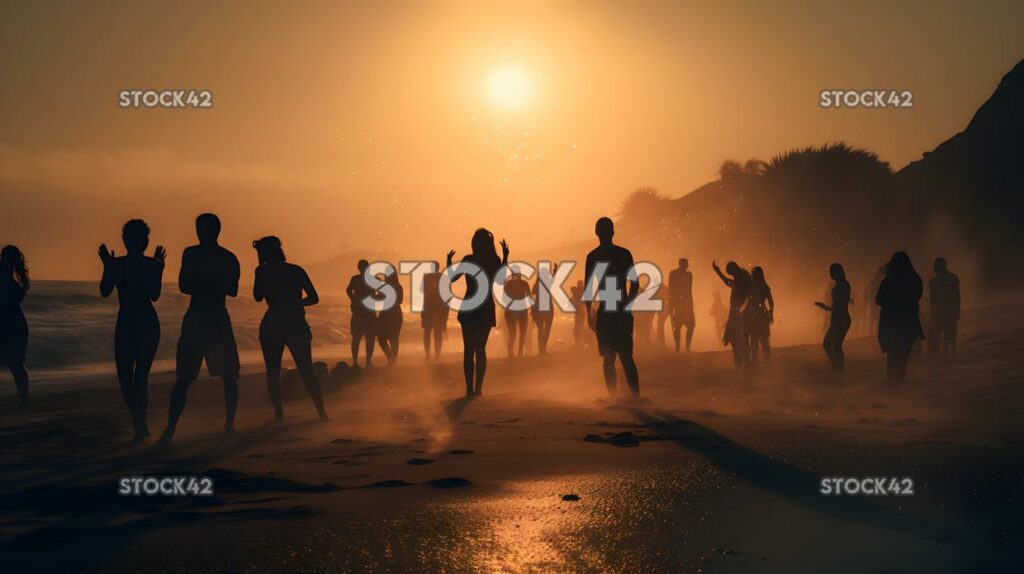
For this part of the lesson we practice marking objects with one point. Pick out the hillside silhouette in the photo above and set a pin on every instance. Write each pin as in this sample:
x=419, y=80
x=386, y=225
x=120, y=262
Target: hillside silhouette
x=808, y=207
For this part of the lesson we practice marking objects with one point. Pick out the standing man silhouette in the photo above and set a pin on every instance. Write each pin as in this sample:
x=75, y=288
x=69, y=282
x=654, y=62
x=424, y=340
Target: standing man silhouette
x=580, y=315
x=209, y=274
x=543, y=317
x=364, y=319
x=944, y=310
x=680, y=290
x=434, y=318
x=612, y=322
x=516, y=320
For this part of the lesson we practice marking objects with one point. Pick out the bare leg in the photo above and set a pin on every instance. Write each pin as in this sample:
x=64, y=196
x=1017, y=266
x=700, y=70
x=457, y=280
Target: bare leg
x=178, y=395
x=125, y=363
x=20, y=381
x=438, y=340
x=272, y=360
x=143, y=363
x=481, y=359
x=230, y=404
x=826, y=344
x=523, y=324
x=632, y=374
x=510, y=335
x=468, y=358
x=426, y=342
x=356, y=339
x=676, y=336
x=369, y=349
x=609, y=374
x=689, y=339
x=302, y=354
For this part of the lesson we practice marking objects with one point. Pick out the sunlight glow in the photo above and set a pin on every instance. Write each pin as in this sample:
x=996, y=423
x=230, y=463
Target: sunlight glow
x=510, y=88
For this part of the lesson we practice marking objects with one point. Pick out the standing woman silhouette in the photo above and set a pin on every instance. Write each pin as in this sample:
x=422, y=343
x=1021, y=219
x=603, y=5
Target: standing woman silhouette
x=14, y=283
x=389, y=321
x=478, y=321
x=138, y=279
x=899, y=324
x=284, y=324
x=760, y=313
x=839, y=323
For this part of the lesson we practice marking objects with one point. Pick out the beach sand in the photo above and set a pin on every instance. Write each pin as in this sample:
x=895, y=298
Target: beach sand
x=720, y=471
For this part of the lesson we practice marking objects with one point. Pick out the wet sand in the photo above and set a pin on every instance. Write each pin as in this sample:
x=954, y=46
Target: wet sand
x=720, y=470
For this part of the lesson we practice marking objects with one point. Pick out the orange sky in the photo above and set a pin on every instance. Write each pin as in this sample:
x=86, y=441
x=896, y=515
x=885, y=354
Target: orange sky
x=371, y=125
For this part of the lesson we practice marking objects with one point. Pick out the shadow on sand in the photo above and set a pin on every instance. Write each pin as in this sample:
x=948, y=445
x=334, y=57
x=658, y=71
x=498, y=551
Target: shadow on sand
x=795, y=485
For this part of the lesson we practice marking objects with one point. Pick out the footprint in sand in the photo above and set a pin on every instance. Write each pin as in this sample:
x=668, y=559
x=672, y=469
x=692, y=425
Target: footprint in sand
x=448, y=482
x=420, y=461
x=386, y=484
x=461, y=451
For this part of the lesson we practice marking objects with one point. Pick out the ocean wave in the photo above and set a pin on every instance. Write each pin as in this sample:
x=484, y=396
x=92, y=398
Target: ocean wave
x=71, y=324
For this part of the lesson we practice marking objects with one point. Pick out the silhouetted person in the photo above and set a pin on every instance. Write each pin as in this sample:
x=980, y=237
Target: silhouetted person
x=543, y=318
x=612, y=322
x=288, y=292
x=899, y=325
x=579, y=320
x=14, y=283
x=516, y=320
x=363, y=324
x=760, y=315
x=643, y=322
x=209, y=274
x=944, y=310
x=434, y=318
x=680, y=297
x=477, y=322
x=719, y=313
x=138, y=280
x=869, y=295
x=839, y=323
x=389, y=321
x=739, y=283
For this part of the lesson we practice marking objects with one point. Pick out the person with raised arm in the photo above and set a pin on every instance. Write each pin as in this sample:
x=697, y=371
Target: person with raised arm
x=138, y=280
x=477, y=320
x=739, y=283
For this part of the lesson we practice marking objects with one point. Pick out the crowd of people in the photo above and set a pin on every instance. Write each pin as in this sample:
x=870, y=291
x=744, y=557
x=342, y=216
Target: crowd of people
x=210, y=274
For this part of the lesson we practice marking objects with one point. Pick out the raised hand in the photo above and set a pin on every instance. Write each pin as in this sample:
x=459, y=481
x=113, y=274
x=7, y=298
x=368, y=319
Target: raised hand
x=451, y=254
x=160, y=254
x=106, y=256
x=714, y=265
x=504, y=249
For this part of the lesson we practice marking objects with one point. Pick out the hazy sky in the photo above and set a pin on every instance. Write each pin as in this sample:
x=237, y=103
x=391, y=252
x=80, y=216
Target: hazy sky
x=406, y=125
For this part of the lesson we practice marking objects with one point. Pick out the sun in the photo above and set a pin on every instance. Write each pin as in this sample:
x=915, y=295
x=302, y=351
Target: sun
x=510, y=88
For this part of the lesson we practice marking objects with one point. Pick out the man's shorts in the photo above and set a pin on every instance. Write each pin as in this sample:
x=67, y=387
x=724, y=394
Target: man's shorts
x=362, y=324
x=614, y=333
x=207, y=335
x=434, y=318
x=682, y=316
